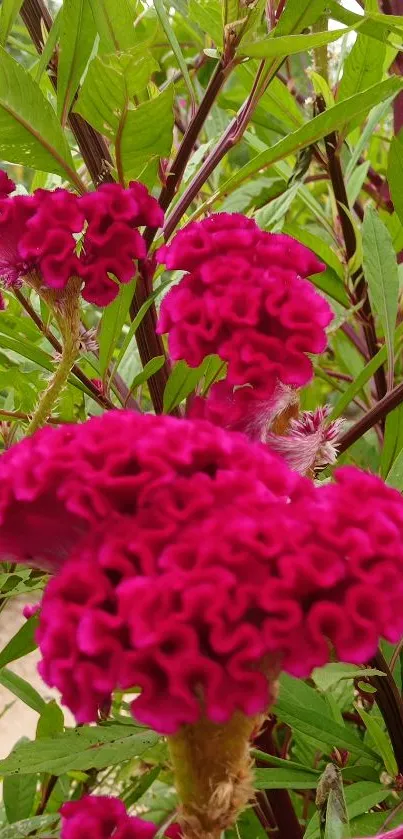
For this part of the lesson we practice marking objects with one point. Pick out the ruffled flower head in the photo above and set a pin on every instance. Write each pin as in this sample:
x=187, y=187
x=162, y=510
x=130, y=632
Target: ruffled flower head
x=60, y=235
x=249, y=566
x=104, y=817
x=245, y=298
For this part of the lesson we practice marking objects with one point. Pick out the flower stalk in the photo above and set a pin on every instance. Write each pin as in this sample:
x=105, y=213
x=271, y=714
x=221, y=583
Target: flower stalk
x=65, y=307
x=213, y=775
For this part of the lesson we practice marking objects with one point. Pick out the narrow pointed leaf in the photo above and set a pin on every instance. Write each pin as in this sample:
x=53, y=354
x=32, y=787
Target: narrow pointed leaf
x=381, y=274
x=176, y=49
x=77, y=36
x=9, y=12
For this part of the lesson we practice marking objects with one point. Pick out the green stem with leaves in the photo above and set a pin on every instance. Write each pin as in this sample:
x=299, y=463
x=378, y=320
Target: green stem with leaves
x=65, y=307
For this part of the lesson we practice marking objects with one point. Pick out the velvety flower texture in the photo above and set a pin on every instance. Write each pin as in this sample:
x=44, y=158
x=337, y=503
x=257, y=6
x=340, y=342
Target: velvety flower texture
x=248, y=566
x=244, y=298
x=104, y=817
x=60, y=235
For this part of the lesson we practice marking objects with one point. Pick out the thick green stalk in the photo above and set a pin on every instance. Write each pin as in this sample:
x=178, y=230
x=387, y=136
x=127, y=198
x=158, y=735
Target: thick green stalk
x=66, y=310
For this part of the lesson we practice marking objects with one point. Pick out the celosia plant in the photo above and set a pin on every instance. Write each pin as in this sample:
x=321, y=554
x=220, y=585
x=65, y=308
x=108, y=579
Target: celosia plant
x=201, y=385
x=104, y=817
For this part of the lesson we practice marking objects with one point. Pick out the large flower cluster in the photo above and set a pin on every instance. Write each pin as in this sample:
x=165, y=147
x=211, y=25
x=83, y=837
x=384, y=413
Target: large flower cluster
x=198, y=564
x=104, y=817
x=61, y=235
x=245, y=298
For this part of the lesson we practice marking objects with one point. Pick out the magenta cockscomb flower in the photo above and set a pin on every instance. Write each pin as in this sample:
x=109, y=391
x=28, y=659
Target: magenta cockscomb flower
x=6, y=184
x=245, y=298
x=112, y=241
x=310, y=442
x=249, y=566
x=60, y=235
x=105, y=817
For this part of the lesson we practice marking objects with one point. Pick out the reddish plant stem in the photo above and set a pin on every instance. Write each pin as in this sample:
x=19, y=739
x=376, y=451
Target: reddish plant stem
x=390, y=704
x=360, y=287
x=177, y=169
x=376, y=414
x=279, y=799
x=230, y=138
x=355, y=339
x=92, y=145
x=46, y=792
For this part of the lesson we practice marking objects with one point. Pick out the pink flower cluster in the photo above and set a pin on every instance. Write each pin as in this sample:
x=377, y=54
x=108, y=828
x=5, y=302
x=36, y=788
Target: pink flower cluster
x=191, y=562
x=244, y=298
x=61, y=235
x=104, y=817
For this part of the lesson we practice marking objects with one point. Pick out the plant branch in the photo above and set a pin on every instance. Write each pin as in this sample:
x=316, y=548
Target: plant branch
x=230, y=138
x=350, y=244
x=175, y=174
x=46, y=792
x=390, y=704
x=92, y=145
x=279, y=799
x=376, y=414
x=149, y=343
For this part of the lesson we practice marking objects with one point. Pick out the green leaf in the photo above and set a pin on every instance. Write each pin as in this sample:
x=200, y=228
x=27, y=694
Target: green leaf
x=207, y=15
x=51, y=721
x=19, y=794
x=331, y=280
x=81, y=748
x=284, y=779
x=26, y=827
x=141, y=786
x=273, y=760
x=393, y=440
x=147, y=133
x=9, y=13
x=111, y=324
x=380, y=740
x=320, y=727
x=182, y=381
x=381, y=274
x=395, y=173
x=22, y=689
x=313, y=131
x=29, y=131
x=395, y=476
x=49, y=46
x=363, y=67
x=375, y=117
x=329, y=675
x=77, y=36
x=136, y=323
x=22, y=643
x=169, y=32
x=114, y=20
x=378, y=29
x=111, y=82
x=363, y=377
x=298, y=15
x=282, y=46
x=360, y=797
x=150, y=368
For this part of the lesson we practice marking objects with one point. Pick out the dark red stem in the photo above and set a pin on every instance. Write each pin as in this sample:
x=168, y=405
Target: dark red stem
x=350, y=244
x=376, y=414
x=279, y=799
x=390, y=704
x=92, y=145
x=230, y=138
